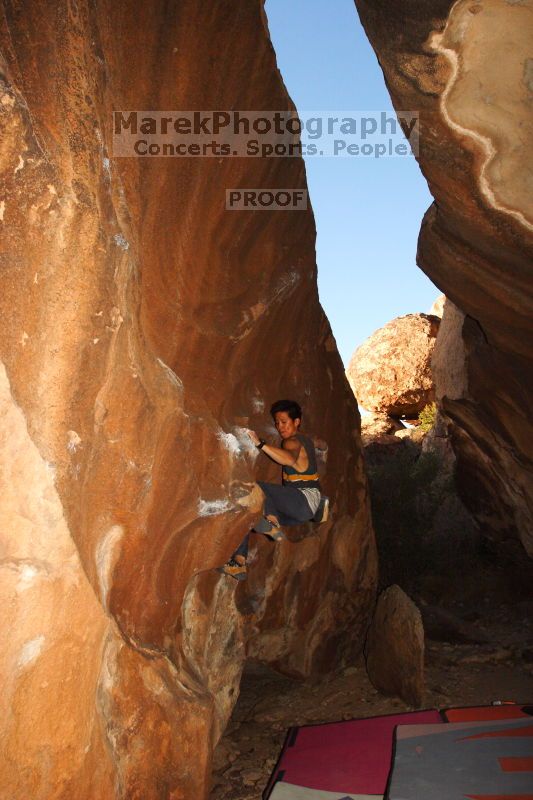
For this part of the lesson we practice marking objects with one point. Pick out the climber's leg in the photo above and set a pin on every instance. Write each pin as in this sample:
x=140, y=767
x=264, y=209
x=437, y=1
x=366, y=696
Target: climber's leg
x=242, y=549
x=269, y=526
x=235, y=567
x=284, y=505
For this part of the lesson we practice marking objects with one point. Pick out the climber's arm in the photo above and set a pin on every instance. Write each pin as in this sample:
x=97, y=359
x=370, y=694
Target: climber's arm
x=286, y=456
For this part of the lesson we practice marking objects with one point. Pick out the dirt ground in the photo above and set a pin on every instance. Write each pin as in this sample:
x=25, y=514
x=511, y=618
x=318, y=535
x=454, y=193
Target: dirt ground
x=456, y=674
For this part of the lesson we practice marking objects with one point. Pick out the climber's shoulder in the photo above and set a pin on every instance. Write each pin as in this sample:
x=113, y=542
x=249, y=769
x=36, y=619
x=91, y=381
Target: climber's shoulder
x=292, y=443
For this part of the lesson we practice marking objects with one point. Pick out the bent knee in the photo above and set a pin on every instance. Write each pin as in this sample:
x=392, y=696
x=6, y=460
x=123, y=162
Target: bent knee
x=261, y=485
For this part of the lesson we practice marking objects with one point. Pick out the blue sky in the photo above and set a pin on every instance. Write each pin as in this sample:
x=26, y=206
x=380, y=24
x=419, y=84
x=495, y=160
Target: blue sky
x=368, y=212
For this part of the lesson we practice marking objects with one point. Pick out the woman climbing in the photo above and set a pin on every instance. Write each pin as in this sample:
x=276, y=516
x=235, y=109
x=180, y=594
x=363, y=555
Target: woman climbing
x=298, y=499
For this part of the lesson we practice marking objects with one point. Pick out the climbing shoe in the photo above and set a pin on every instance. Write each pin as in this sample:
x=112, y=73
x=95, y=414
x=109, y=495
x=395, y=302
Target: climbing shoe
x=235, y=568
x=276, y=534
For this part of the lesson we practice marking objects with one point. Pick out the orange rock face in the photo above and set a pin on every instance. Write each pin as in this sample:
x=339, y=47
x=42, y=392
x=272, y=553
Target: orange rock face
x=466, y=66
x=143, y=328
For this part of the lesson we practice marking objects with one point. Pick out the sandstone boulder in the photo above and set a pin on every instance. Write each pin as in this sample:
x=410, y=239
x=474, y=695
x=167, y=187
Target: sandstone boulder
x=143, y=326
x=417, y=434
x=466, y=67
x=448, y=360
x=377, y=424
x=483, y=470
x=390, y=372
x=395, y=647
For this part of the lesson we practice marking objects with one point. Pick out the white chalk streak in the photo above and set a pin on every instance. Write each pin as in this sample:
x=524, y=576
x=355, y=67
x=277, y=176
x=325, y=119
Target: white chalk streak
x=107, y=554
x=209, y=508
x=230, y=442
x=30, y=651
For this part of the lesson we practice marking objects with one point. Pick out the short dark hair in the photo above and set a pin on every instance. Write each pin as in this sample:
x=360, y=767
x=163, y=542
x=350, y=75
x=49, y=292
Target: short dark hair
x=292, y=408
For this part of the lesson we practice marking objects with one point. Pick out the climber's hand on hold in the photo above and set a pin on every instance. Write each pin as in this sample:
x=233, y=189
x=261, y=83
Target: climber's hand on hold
x=254, y=437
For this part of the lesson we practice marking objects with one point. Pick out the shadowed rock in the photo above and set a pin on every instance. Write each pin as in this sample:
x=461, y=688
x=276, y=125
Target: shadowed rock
x=443, y=626
x=395, y=647
x=466, y=67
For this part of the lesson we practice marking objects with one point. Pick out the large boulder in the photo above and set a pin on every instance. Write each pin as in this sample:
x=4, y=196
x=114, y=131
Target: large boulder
x=395, y=647
x=390, y=372
x=466, y=67
x=143, y=326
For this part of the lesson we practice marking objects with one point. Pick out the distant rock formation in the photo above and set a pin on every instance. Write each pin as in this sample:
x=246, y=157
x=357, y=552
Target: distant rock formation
x=390, y=372
x=466, y=67
x=418, y=512
x=376, y=424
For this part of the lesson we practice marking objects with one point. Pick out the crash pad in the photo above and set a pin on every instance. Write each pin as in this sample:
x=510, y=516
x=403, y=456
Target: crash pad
x=288, y=791
x=479, y=713
x=454, y=761
x=347, y=757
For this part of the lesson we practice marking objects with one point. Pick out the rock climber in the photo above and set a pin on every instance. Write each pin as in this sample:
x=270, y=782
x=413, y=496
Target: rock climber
x=298, y=499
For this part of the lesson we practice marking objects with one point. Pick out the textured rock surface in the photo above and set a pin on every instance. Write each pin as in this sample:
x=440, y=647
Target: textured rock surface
x=466, y=66
x=377, y=424
x=391, y=371
x=143, y=327
x=488, y=477
x=395, y=647
x=438, y=306
x=448, y=360
x=442, y=626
